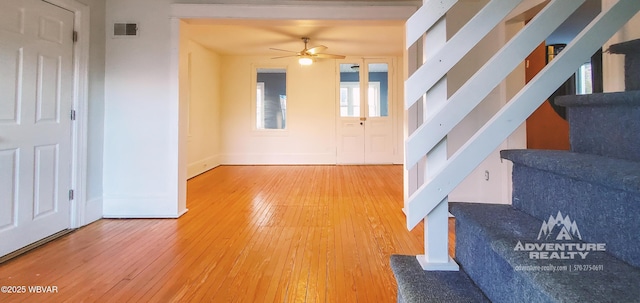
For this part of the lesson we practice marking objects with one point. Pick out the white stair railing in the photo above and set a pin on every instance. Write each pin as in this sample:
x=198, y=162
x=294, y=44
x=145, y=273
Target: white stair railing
x=427, y=85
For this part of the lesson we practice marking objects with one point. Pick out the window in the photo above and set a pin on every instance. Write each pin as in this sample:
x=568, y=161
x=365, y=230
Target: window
x=377, y=104
x=349, y=90
x=583, y=80
x=271, y=98
x=374, y=99
x=378, y=99
x=349, y=99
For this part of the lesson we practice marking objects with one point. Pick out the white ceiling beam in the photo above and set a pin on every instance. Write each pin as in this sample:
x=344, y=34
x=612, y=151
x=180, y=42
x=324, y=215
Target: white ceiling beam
x=293, y=12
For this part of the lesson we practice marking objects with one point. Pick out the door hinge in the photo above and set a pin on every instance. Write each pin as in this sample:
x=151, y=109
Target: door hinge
x=75, y=36
x=73, y=115
x=70, y=194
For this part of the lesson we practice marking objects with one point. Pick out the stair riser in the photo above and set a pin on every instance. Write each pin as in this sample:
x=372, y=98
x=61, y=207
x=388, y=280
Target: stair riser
x=631, y=52
x=632, y=72
x=612, y=131
x=603, y=215
x=489, y=270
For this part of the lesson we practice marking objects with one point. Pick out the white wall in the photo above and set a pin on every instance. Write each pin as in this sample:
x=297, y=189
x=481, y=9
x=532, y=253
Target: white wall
x=309, y=137
x=144, y=157
x=141, y=115
x=141, y=166
x=518, y=139
x=201, y=88
x=399, y=116
x=310, y=134
x=613, y=64
x=221, y=123
x=476, y=187
x=141, y=170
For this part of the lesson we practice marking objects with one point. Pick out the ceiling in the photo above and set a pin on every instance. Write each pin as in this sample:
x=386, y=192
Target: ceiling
x=255, y=37
x=305, y=2
x=362, y=38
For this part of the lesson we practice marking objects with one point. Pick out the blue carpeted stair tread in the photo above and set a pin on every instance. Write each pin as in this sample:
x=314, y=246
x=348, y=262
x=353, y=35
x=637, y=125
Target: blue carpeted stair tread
x=490, y=233
x=416, y=285
x=614, y=173
x=599, y=195
x=627, y=98
x=606, y=124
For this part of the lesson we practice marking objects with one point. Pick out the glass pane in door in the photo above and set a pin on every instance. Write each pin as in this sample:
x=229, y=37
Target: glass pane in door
x=349, y=90
x=378, y=90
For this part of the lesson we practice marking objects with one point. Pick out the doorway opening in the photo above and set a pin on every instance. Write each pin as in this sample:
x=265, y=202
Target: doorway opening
x=364, y=115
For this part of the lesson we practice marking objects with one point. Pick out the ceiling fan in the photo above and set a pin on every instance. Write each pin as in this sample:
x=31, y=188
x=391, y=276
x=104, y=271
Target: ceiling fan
x=308, y=55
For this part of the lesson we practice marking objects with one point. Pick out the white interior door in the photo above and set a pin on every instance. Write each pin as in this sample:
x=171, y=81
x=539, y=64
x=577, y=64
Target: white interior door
x=350, y=116
x=36, y=92
x=365, y=123
x=379, y=143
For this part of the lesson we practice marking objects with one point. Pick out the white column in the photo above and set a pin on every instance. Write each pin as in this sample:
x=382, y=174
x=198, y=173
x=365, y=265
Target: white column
x=436, y=225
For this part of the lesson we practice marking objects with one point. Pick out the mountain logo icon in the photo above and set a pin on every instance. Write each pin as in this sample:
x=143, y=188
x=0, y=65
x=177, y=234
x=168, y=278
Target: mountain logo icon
x=559, y=228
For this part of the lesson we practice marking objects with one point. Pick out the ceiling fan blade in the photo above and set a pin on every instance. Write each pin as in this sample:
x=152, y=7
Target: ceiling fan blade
x=282, y=50
x=329, y=56
x=288, y=56
x=316, y=49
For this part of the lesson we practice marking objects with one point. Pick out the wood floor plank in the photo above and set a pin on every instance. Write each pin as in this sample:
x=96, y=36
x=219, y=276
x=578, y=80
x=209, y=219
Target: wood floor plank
x=252, y=234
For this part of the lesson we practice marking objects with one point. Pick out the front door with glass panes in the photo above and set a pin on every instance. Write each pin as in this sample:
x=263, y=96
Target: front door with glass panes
x=365, y=128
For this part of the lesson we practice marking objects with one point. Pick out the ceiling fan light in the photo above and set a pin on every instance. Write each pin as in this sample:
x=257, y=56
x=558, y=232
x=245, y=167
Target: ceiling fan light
x=305, y=60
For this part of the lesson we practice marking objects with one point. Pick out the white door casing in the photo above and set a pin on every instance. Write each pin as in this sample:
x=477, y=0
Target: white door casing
x=365, y=131
x=36, y=98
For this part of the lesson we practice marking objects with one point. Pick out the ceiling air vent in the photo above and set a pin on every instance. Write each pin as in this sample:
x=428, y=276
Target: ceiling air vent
x=125, y=29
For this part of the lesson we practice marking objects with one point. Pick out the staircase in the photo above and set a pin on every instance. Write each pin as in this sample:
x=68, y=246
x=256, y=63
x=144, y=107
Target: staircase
x=582, y=204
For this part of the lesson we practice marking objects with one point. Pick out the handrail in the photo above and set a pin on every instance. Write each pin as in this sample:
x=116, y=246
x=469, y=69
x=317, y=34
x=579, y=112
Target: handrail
x=459, y=45
x=424, y=18
x=441, y=121
x=444, y=177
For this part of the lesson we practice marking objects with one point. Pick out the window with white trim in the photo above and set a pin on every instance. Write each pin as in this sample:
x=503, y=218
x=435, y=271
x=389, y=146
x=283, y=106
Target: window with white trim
x=271, y=98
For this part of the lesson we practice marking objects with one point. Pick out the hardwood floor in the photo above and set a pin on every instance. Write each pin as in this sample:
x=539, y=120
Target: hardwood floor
x=252, y=234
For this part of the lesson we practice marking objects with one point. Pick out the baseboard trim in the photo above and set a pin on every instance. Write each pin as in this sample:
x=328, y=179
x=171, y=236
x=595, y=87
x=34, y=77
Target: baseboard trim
x=278, y=159
x=93, y=211
x=202, y=166
x=132, y=207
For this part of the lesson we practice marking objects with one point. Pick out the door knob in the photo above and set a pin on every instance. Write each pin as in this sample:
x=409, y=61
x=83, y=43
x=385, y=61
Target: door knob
x=361, y=123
